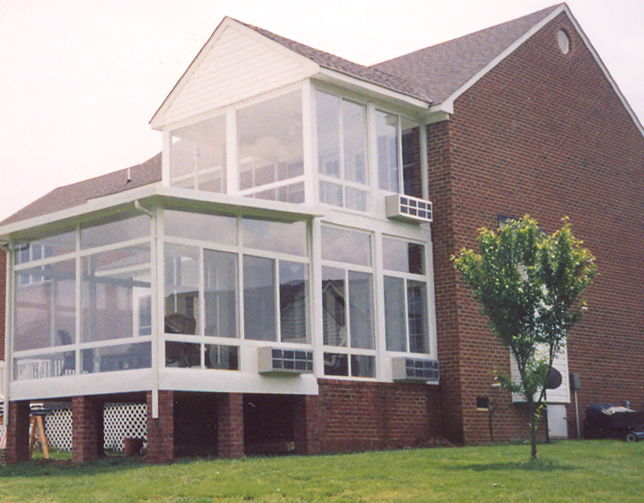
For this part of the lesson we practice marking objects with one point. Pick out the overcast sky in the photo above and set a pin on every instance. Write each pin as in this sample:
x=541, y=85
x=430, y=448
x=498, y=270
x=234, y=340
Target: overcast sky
x=80, y=79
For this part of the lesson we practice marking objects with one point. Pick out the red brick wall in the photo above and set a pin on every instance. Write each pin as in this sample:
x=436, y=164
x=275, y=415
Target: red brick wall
x=542, y=134
x=357, y=416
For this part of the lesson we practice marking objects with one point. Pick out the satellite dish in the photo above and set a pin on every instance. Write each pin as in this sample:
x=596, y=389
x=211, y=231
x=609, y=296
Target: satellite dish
x=553, y=379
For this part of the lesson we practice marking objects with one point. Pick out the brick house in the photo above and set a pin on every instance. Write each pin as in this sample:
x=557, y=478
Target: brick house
x=271, y=281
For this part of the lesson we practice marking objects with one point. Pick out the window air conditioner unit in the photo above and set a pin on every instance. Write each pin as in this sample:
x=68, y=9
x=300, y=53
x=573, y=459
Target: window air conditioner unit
x=415, y=369
x=408, y=208
x=284, y=361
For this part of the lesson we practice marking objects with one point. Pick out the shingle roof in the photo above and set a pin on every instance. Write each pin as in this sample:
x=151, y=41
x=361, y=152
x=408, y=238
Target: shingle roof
x=442, y=69
x=79, y=193
x=373, y=75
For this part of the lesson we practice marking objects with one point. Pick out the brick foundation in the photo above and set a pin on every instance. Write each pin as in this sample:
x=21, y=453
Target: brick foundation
x=18, y=433
x=87, y=428
x=230, y=425
x=161, y=430
x=358, y=416
x=306, y=425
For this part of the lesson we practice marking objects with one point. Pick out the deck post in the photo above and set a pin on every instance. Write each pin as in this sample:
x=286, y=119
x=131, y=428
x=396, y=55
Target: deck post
x=230, y=425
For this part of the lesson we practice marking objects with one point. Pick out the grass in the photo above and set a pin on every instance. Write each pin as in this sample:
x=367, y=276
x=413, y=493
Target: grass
x=566, y=471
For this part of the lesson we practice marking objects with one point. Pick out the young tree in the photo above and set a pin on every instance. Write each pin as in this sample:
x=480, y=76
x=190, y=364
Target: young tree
x=530, y=286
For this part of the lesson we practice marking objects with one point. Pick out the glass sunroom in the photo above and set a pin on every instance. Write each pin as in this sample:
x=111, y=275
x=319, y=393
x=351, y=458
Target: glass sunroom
x=287, y=240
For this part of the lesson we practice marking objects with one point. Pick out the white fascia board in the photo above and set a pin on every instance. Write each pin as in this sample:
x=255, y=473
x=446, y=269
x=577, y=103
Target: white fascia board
x=105, y=383
x=363, y=87
x=190, y=198
x=166, y=195
x=72, y=215
x=448, y=104
x=226, y=381
x=309, y=67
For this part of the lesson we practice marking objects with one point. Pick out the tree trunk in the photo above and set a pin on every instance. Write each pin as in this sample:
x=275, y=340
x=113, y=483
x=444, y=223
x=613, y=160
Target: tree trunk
x=533, y=428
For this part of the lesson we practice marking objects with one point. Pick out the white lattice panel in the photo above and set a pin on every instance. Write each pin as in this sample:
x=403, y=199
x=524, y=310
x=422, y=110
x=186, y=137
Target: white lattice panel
x=119, y=421
x=58, y=428
x=124, y=420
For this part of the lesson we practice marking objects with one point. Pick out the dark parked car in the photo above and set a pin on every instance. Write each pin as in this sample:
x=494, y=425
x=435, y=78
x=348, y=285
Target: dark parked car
x=613, y=421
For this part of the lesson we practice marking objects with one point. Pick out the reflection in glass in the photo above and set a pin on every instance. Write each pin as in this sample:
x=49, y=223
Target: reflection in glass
x=269, y=141
x=403, y=256
x=116, y=358
x=361, y=310
x=293, y=304
x=363, y=366
x=328, y=129
x=114, y=231
x=198, y=156
x=43, y=366
x=220, y=284
x=45, y=304
x=259, y=298
x=116, y=291
x=354, y=125
x=417, y=317
x=395, y=320
x=182, y=354
x=336, y=364
x=47, y=245
x=181, y=289
x=387, y=131
x=221, y=357
x=334, y=307
x=214, y=228
x=343, y=245
x=283, y=237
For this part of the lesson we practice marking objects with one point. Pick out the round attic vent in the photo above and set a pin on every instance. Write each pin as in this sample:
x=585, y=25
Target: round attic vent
x=564, y=41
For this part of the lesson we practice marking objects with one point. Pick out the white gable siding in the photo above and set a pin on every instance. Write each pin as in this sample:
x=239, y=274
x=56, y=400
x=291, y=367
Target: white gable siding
x=237, y=66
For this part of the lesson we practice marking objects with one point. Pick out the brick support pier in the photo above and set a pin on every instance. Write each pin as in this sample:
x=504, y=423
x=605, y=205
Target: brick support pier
x=18, y=432
x=230, y=425
x=306, y=425
x=161, y=430
x=87, y=429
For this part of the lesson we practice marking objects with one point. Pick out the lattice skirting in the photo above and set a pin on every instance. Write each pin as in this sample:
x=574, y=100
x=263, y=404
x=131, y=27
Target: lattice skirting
x=119, y=421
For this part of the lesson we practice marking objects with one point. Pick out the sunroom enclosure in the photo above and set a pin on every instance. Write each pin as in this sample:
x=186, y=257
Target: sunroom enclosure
x=266, y=258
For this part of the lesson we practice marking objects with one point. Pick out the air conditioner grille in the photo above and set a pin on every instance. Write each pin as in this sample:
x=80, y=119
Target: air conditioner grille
x=408, y=208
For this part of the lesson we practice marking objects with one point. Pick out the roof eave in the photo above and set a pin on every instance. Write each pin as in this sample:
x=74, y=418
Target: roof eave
x=341, y=79
x=157, y=193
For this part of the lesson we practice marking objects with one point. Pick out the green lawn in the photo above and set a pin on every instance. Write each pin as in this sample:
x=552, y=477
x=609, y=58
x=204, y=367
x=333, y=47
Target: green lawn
x=570, y=471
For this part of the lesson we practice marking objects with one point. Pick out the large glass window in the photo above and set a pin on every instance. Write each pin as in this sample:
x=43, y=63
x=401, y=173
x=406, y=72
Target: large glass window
x=347, y=303
x=268, y=268
x=221, y=229
x=398, y=146
x=220, y=293
x=269, y=145
x=342, y=151
x=111, y=270
x=116, y=294
x=45, y=306
x=406, y=317
x=182, y=275
x=198, y=156
x=114, y=230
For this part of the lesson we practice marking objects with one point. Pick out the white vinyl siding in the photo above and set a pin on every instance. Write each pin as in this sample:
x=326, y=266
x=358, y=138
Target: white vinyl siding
x=236, y=67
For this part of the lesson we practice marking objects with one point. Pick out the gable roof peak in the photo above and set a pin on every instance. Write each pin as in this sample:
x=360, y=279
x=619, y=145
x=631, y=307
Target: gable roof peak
x=445, y=68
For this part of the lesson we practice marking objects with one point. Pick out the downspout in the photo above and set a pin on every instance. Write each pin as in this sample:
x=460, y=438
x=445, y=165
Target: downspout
x=154, y=399
x=8, y=318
